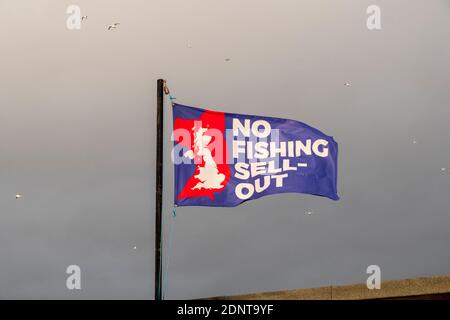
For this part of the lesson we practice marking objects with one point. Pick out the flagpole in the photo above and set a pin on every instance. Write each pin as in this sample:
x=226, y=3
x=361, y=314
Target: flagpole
x=159, y=186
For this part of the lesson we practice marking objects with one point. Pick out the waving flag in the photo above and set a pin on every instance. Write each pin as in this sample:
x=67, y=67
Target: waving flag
x=223, y=159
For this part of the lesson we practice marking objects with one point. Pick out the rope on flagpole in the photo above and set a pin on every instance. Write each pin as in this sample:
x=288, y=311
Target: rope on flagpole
x=167, y=92
x=169, y=250
x=165, y=265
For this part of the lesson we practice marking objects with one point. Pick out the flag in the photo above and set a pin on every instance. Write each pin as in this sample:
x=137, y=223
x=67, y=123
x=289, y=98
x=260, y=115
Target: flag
x=223, y=159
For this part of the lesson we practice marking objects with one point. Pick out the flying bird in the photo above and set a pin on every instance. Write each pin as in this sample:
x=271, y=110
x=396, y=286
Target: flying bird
x=113, y=26
x=84, y=18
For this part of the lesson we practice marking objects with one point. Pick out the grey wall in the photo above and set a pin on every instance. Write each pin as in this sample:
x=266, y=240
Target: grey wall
x=77, y=140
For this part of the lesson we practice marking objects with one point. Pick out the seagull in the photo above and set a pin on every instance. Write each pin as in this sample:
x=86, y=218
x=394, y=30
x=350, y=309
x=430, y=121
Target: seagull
x=84, y=18
x=227, y=59
x=347, y=84
x=18, y=196
x=113, y=26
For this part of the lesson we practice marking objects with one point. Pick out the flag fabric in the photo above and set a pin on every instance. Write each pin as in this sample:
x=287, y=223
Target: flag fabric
x=224, y=159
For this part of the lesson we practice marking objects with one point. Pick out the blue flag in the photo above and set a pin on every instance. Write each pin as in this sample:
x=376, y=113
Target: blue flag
x=223, y=159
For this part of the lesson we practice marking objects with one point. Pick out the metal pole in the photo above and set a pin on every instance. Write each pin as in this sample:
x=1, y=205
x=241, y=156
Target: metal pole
x=159, y=187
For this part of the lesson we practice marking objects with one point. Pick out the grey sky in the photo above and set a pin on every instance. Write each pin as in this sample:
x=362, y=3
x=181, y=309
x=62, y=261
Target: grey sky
x=77, y=140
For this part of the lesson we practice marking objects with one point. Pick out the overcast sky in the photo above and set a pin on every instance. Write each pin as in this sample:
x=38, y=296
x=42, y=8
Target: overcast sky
x=77, y=141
